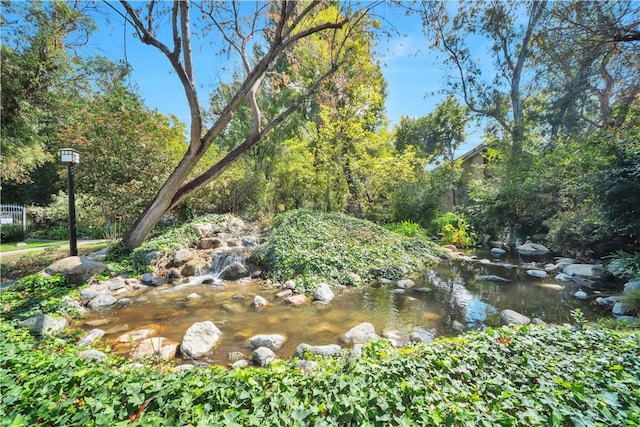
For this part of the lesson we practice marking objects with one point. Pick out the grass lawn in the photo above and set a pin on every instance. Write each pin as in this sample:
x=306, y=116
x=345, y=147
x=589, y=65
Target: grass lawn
x=31, y=244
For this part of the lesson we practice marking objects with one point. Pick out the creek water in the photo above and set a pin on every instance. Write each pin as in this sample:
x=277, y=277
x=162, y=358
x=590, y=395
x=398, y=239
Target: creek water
x=445, y=297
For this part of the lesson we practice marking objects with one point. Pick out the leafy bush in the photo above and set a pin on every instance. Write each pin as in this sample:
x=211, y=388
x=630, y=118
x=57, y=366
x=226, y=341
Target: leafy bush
x=315, y=247
x=625, y=265
x=454, y=229
x=11, y=233
x=408, y=228
x=418, y=202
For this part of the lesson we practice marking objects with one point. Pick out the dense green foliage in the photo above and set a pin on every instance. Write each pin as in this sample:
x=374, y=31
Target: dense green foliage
x=543, y=376
x=313, y=247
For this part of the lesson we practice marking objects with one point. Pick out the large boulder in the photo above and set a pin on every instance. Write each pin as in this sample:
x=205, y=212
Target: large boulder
x=76, y=269
x=361, y=334
x=510, y=317
x=43, y=324
x=590, y=271
x=532, y=249
x=200, y=339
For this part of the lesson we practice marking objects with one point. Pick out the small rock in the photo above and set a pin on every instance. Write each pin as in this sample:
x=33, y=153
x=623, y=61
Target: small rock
x=457, y=326
x=182, y=256
x=405, y=284
x=92, y=356
x=360, y=334
x=323, y=293
x=137, y=335
x=422, y=335
x=550, y=268
x=88, y=293
x=538, y=321
x=492, y=278
x=102, y=302
x=498, y=251
x=90, y=337
x=284, y=293
x=193, y=296
x=537, y=273
x=320, y=350
x=272, y=341
x=147, y=279
x=233, y=308
x=151, y=258
x=289, y=284
x=306, y=366
x=200, y=339
x=620, y=309
x=262, y=356
x=608, y=300
x=234, y=271
x=581, y=294
x=632, y=286
x=561, y=277
x=182, y=368
x=234, y=356
x=532, y=249
x=295, y=300
x=259, y=302
x=242, y=363
x=510, y=317
x=115, y=285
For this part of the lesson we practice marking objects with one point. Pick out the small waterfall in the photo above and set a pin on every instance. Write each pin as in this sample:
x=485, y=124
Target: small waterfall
x=229, y=265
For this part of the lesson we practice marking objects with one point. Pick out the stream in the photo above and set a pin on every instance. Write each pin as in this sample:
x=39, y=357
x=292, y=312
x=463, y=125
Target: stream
x=444, y=301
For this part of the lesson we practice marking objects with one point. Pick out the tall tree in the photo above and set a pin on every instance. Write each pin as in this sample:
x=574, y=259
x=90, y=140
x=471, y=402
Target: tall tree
x=127, y=151
x=276, y=27
x=38, y=76
x=590, y=66
x=438, y=134
x=497, y=93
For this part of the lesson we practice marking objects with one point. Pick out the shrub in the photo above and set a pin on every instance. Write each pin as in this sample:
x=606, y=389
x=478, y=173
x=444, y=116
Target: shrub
x=454, y=229
x=11, y=233
x=407, y=228
x=315, y=247
x=625, y=265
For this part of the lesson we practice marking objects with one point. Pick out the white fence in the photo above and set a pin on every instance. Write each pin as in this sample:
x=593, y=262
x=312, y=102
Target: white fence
x=13, y=215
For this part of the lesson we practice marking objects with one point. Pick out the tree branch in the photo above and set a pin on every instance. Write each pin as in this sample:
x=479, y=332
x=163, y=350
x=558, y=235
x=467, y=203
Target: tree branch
x=217, y=169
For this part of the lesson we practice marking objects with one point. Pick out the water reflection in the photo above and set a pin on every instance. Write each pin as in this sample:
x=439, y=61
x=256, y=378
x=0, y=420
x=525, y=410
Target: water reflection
x=442, y=299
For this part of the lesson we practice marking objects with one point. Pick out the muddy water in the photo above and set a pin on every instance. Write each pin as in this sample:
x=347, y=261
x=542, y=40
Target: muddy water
x=446, y=294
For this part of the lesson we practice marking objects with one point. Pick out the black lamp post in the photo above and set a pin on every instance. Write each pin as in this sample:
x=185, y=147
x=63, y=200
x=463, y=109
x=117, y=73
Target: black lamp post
x=71, y=157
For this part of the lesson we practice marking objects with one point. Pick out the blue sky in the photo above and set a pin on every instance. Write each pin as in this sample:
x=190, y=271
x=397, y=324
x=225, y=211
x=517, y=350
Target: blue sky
x=413, y=74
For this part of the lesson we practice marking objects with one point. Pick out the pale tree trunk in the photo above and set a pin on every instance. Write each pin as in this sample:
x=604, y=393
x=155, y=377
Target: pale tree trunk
x=292, y=22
